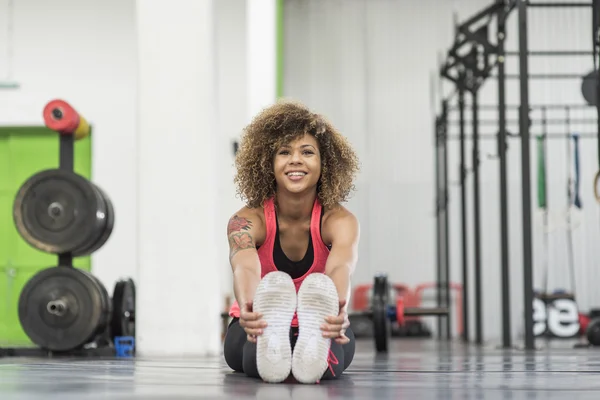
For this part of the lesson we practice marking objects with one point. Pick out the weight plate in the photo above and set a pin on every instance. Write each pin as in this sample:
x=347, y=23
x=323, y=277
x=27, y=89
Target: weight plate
x=87, y=247
x=123, y=306
x=110, y=222
x=106, y=303
x=61, y=308
x=588, y=87
x=381, y=323
x=103, y=234
x=597, y=186
x=58, y=211
x=593, y=332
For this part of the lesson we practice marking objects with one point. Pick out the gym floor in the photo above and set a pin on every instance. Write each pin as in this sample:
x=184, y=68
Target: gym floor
x=413, y=369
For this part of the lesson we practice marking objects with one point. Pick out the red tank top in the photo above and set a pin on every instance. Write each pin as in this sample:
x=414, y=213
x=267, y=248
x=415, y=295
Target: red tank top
x=265, y=251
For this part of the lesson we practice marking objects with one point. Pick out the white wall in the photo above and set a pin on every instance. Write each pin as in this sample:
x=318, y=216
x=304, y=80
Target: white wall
x=363, y=64
x=368, y=66
x=178, y=203
x=232, y=106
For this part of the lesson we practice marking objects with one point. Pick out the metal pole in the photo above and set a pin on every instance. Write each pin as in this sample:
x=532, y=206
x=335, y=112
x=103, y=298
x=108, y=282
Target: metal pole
x=438, y=205
x=446, y=271
x=595, y=39
x=463, y=216
x=476, y=221
x=526, y=178
x=505, y=270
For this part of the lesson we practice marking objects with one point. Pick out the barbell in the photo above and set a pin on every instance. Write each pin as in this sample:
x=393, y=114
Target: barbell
x=386, y=309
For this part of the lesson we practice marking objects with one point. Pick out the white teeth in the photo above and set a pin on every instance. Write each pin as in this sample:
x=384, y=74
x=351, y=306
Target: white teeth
x=296, y=173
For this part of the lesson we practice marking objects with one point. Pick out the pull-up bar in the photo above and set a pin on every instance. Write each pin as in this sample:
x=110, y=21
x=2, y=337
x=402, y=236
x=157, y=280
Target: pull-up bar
x=558, y=5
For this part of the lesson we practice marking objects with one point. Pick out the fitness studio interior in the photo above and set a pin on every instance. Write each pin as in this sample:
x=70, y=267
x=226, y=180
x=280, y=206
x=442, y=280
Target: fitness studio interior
x=290, y=199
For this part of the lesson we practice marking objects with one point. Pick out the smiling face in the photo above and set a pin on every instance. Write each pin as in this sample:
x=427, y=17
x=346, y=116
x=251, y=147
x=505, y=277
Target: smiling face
x=297, y=165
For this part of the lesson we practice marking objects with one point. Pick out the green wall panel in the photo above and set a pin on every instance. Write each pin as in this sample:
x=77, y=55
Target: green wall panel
x=23, y=152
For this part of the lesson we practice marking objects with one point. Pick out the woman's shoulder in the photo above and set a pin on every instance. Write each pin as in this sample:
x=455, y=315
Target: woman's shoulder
x=338, y=220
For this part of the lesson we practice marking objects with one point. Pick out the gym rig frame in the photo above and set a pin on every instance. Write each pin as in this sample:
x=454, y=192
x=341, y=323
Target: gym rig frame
x=468, y=74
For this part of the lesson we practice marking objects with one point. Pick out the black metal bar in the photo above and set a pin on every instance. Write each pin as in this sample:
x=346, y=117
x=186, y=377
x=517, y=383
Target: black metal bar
x=65, y=260
x=570, y=198
x=543, y=76
x=504, y=270
x=408, y=311
x=66, y=152
x=558, y=5
x=477, y=224
x=544, y=146
x=558, y=53
x=482, y=14
x=595, y=41
x=440, y=311
x=66, y=162
x=484, y=107
x=549, y=121
x=446, y=271
x=494, y=136
x=439, y=202
x=463, y=217
x=525, y=176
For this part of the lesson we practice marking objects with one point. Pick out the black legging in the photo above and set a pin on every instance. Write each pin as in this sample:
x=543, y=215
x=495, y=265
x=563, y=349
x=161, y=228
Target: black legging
x=240, y=354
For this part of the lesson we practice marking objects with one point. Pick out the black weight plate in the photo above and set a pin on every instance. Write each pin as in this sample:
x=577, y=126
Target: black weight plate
x=123, y=306
x=106, y=303
x=588, y=87
x=593, y=332
x=103, y=232
x=61, y=308
x=58, y=211
x=86, y=248
x=381, y=323
x=108, y=227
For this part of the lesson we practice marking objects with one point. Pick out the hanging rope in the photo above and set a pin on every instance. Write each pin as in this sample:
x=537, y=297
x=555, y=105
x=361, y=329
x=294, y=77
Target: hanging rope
x=541, y=181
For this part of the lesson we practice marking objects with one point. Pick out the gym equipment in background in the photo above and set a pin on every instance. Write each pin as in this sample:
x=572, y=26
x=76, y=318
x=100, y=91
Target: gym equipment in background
x=588, y=87
x=387, y=308
x=457, y=288
x=555, y=314
x=61, y=308
x=362, y=326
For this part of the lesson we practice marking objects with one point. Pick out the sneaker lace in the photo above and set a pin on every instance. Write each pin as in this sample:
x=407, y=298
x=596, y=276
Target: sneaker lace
x=332, y=359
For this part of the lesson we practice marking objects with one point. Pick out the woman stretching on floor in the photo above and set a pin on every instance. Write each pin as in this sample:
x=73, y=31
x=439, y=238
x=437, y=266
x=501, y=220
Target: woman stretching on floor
x=293, y=249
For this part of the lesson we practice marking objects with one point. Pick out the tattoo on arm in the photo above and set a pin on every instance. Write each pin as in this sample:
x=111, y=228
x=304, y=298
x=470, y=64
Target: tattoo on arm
x=239, y=241
x=238, y=224
x=239, y=237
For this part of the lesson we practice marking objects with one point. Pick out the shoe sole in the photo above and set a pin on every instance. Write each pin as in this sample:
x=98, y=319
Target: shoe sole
x=317, y=299
x=275, y=299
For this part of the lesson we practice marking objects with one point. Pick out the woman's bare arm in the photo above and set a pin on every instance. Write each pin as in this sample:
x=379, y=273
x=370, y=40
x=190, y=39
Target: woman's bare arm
x=343, y=230
x=243, y=231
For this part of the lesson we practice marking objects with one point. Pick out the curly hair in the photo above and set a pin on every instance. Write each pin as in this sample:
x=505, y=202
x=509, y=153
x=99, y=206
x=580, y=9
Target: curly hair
x=280, y=124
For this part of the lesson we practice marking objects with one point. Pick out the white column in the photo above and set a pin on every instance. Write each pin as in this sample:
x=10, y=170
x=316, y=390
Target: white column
x=261, y=53
x=178, y=287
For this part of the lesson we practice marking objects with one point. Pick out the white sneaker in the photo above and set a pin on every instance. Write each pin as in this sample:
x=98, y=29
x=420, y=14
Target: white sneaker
x=317, y=299
x=275, y=299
